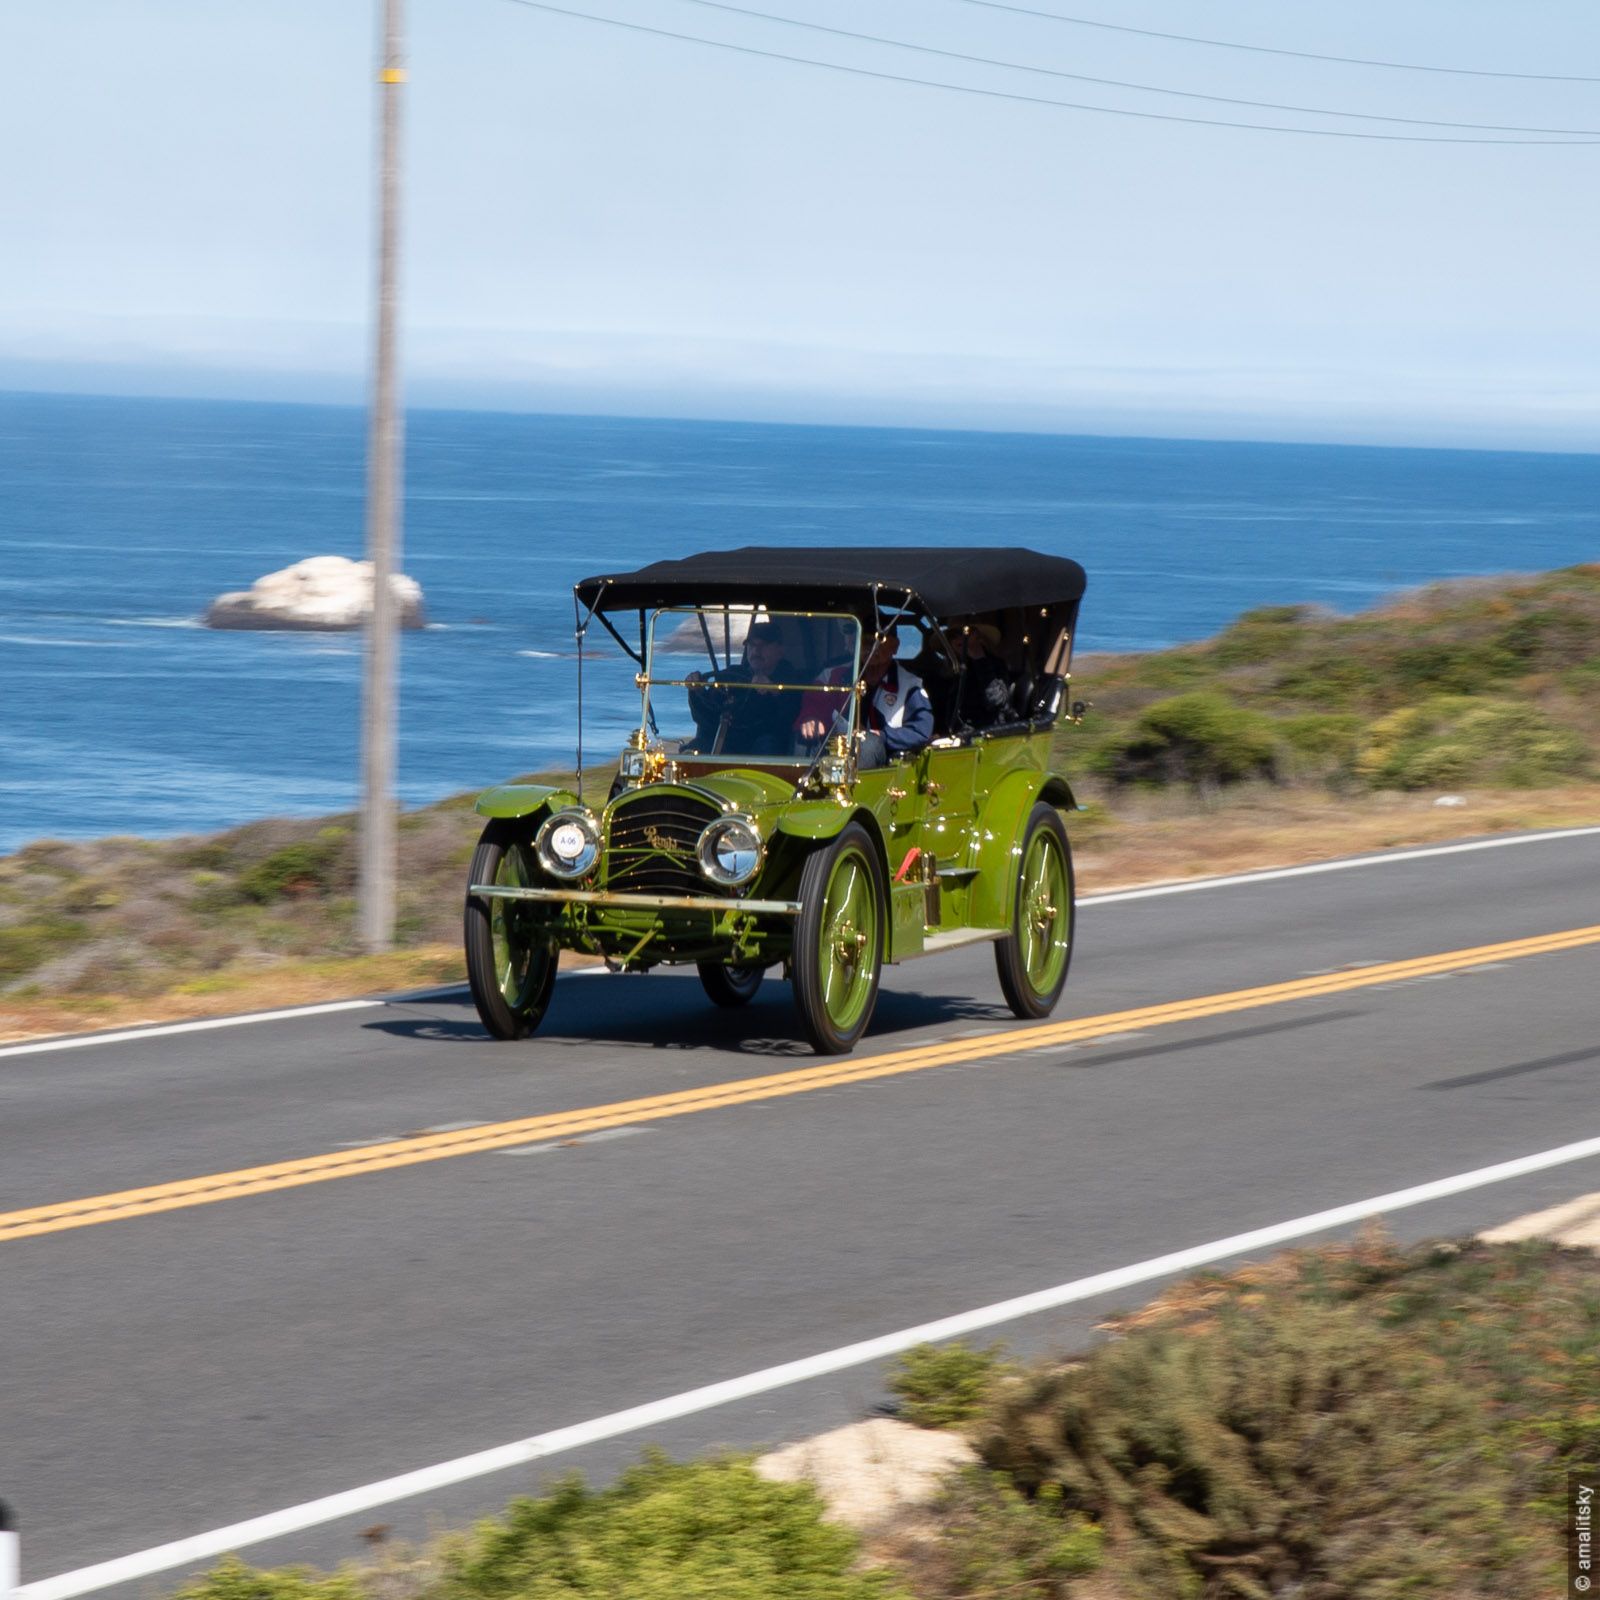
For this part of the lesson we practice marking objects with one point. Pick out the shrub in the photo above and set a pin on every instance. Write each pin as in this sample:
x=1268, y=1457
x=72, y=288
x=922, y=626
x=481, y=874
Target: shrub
x=995, y=1541
x=231, y=1579
x=1322, y=744
x=1334, y=678
x=1291, y=1448
x=1454, y=739
x=942, y=1386
x=1201, y=738
x=710, y=1530
x=27, y=945
x=1268, y=633
x=312, y=866
x=1173, y=670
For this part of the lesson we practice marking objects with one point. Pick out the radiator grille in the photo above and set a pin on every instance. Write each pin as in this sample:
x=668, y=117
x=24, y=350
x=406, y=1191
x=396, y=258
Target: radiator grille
x=651, y=844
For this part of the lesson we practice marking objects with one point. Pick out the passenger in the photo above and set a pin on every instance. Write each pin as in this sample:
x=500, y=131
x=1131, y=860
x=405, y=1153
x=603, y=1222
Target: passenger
x=987, y=693
x=899, y=715
x=750, y=721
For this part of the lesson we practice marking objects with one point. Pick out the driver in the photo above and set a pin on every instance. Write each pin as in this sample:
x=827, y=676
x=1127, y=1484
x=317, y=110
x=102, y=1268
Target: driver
x=751, y=721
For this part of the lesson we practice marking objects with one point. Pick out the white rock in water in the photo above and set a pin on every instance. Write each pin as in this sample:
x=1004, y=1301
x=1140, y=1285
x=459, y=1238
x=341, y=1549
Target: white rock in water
x=323, y=592
x=688, y=634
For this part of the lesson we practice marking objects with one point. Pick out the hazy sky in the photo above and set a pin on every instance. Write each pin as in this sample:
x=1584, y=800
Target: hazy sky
x=602, y=220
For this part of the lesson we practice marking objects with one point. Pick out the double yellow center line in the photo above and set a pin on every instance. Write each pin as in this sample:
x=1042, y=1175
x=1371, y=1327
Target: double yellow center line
x=217, y=1186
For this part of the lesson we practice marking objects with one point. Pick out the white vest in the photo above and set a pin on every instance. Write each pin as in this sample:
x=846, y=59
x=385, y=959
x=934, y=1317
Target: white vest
x=890, y=704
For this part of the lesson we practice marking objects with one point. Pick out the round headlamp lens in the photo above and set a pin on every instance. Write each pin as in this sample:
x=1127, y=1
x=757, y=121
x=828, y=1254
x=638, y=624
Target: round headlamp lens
x=567, y=845
x=730, y=850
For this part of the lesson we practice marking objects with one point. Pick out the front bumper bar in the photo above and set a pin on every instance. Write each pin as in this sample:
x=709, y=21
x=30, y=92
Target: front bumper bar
x=638, y=902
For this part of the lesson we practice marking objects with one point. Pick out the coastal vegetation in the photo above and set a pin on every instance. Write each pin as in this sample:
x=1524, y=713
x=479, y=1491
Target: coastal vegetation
x=1293, y=734
x=1487, y=683
x=1348, y=1422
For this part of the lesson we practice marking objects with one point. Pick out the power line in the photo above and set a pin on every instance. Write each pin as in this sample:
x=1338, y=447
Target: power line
x=1026, y=99
x=1268, y=50
x=1119, y=83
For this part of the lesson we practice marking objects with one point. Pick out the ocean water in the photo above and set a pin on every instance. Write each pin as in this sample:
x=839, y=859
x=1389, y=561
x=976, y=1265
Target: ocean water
x=121, y=519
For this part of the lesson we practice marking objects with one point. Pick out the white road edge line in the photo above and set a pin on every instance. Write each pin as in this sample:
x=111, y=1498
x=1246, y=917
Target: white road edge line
x=312, y=1513
x=80, y=1041
x=1344, y=864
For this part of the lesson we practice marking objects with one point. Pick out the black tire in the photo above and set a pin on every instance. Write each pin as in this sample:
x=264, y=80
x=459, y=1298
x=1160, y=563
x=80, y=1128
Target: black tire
x=511, y=973
x=731, y=987
x=1032, y=960
x=843, y=902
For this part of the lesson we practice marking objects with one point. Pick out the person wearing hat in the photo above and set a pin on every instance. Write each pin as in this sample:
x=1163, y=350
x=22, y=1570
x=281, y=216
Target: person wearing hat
x=898, y=718
x=987, y=693
x=748, y=720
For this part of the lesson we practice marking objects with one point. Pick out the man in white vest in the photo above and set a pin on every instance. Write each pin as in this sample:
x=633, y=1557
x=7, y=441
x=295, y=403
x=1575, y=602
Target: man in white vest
x=899, y=715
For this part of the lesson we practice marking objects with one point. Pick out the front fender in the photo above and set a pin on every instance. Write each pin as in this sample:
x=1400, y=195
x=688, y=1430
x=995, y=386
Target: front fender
x=522, y=800
x=822, y=820
x=1000, y=835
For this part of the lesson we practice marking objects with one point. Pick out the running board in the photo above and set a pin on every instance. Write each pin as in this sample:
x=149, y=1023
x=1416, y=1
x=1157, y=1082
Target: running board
x=935, y=943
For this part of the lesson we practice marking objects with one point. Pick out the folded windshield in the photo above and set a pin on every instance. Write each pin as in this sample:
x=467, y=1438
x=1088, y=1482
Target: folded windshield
x=749, y=685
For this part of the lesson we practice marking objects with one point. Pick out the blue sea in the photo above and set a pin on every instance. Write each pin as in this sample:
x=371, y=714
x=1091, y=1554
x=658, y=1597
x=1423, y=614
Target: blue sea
x=120, y=519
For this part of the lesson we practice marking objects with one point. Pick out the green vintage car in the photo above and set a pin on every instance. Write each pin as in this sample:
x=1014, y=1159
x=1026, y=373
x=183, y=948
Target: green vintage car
x=783, y=803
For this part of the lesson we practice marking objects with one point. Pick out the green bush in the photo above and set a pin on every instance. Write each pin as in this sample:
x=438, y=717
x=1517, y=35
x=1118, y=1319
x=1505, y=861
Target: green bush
x=944, y=1385
x=710, y=1530
x=312, y=866
x=1322, y=744
x=1171, y=670
x=231, y=1579
x=1453, y=739
x=1293, y=1449
x=1268, y=633
x=27, y=945
x=995, y=1541
x=1343, y=678
x=1202, y=739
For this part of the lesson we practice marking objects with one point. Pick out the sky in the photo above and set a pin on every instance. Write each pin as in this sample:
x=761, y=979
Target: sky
x=601, y=220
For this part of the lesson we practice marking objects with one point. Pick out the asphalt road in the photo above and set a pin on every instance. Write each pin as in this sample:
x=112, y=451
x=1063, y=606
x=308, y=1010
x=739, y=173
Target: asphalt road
x=171, y=1372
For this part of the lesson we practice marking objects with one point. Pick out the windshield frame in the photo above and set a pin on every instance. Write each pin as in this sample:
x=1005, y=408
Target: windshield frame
x=718, y=650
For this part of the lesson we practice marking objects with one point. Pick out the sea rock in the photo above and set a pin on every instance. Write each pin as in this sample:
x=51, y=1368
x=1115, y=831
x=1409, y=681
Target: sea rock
x=689, y=635
x=323, y=593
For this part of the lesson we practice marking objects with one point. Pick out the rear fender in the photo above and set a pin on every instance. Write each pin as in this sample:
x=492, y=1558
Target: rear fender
x=1001, y=831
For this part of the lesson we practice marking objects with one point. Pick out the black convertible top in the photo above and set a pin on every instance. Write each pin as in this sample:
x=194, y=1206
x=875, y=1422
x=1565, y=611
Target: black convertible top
x=940, y=582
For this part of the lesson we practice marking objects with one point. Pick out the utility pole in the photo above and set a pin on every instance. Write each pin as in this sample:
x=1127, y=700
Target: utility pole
x=385, y=448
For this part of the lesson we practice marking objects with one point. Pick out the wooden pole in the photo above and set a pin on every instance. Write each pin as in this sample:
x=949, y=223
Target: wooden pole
x=385, y=451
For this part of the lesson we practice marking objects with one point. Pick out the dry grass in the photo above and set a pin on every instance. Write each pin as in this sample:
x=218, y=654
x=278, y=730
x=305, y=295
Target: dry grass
x=1161, y=838
x=235, y=991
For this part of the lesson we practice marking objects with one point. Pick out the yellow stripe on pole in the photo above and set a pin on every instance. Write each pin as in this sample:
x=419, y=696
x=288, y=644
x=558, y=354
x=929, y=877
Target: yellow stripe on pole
x=392, y=75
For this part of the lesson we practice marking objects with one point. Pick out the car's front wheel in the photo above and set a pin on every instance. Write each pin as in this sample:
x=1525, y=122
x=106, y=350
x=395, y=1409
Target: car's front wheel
x=838, y=941
x=511, y=967
x=1033, y=958
x=731, y=986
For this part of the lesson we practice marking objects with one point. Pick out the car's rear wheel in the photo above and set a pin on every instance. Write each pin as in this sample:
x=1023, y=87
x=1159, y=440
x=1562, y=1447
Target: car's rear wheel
x=838, y=941
x=1033, y=958
x=731, y=986
x=511, y=967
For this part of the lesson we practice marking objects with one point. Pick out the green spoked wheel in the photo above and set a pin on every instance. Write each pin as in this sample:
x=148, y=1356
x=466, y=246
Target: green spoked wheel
x=511, y=968
x=838, y=940
x=1033, y=958
x=731, y=986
